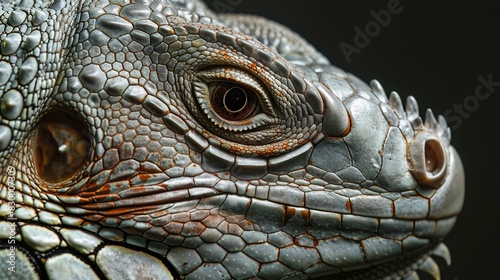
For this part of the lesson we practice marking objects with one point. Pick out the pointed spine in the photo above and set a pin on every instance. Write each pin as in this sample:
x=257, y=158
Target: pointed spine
x=430, y=121
x=430, y=266
x=397, y=105
x=378, y=90
x=411, y=108
x=443, y=252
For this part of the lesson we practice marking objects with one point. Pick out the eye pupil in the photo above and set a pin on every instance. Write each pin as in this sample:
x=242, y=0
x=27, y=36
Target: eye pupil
x=235, y=99
x=233, y=102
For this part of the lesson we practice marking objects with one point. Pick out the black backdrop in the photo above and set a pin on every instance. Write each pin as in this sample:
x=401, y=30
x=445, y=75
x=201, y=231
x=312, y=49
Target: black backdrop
x=436, y=51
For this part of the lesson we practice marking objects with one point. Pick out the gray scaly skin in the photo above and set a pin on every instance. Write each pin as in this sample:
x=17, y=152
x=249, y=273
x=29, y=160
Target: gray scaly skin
x=160, y=140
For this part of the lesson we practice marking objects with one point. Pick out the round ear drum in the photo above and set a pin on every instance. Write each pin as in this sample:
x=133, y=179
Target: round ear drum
x=61, y=148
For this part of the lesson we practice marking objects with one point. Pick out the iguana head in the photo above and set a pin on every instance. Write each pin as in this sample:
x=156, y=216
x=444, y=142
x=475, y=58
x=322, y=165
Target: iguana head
x=157, y=139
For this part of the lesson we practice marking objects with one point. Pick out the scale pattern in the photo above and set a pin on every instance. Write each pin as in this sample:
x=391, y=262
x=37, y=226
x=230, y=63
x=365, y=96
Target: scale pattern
x=157, y=139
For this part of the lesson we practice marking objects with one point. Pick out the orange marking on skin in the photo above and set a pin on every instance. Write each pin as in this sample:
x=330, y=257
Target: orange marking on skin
x=127, y=216
x=225, y=55
x=104, y=189
x=246, y=225
x=268, y=150
x=253, y=66
x=123, y=212
x=94, y=217
x=144, y=177
x=91, y=186
x=290, y=212
x=285, y=145
x=348, y=205
x=305, y=214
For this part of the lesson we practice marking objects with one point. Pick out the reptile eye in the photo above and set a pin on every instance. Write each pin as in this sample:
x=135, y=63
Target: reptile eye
x=232, y=102
x=61, y=147
x=232, y=99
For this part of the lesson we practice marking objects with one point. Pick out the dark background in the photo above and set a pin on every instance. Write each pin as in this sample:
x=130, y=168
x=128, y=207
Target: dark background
x=435, y=51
